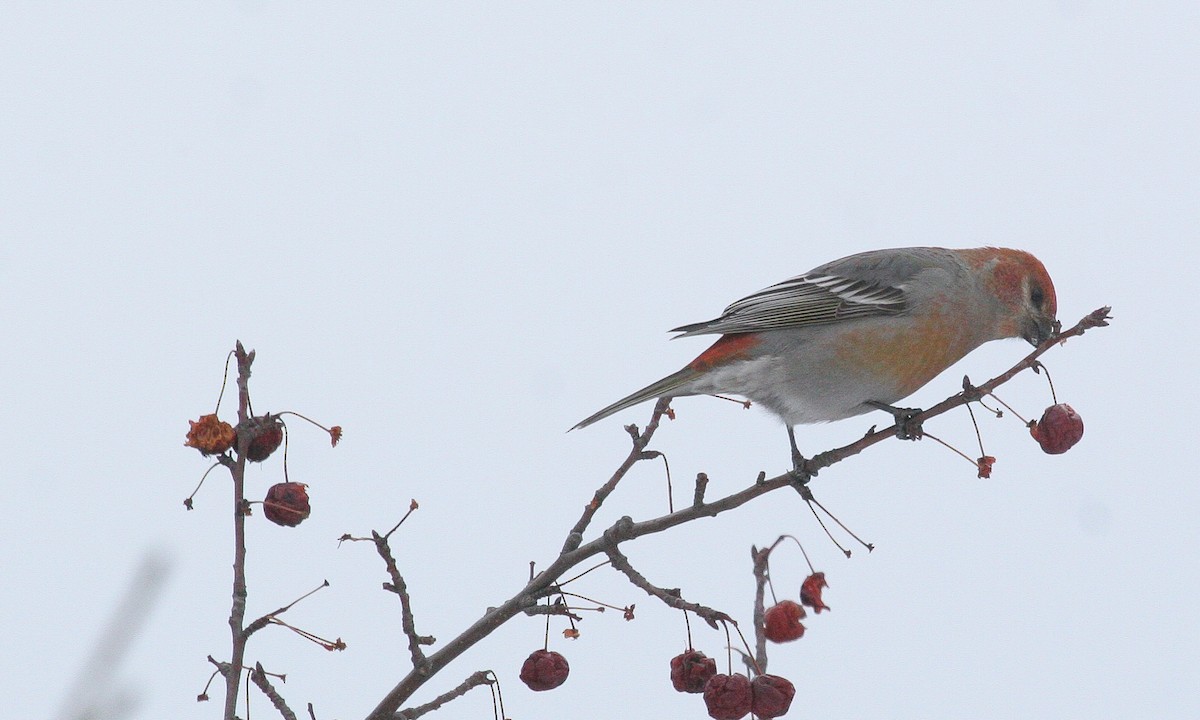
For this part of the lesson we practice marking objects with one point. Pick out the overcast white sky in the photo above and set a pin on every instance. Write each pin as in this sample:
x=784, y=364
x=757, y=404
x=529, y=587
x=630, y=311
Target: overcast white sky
x=456, y=229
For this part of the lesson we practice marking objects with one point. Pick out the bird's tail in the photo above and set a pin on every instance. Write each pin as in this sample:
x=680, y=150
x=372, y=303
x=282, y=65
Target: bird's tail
x=667, y=387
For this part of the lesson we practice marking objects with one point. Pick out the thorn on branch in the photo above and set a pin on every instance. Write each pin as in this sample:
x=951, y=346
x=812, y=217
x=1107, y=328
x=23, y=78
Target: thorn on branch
x=701, y=485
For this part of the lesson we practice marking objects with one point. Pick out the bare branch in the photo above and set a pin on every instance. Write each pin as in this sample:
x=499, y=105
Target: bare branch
x=259, y=678
x=575, y=551
x=237, y=613
x=265, y=620
x=671, y=597
x=400, y=588
x=640, y=441
x=474, y=680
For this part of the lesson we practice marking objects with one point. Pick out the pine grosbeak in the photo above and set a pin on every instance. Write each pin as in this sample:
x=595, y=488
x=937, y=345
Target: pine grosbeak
x=862, y=332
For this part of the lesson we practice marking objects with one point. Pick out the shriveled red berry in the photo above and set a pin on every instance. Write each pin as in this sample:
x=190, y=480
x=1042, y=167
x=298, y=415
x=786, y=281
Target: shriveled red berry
x=286, y=503
x=690, y=670
x=210, y=435
x=728, y=697
x=771, y=696
x=782, y=622
x=264, y=433
x=544, y=670
x=1058, y=430
x=810, y=592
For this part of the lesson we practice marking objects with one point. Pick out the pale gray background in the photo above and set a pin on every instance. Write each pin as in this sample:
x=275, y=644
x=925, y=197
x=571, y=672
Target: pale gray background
x=456, y=229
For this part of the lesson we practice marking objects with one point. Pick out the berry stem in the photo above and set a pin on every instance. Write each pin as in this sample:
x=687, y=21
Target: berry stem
x=224, y=381
x=1038, y=366
x=811, y=569
x=411, y=506
x=1009, y=407
x=978, y=436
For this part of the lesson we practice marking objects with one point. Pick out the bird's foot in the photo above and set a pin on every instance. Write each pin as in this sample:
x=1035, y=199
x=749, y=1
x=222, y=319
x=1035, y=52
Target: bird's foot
x=907, y=427
x=800, y=480
x=800, y=472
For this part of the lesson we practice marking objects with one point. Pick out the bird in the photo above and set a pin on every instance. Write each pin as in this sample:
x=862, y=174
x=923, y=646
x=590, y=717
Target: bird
x=860, y=333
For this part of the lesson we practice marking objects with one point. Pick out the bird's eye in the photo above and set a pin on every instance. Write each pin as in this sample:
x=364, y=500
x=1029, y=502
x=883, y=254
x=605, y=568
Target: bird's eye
x=1036, y=295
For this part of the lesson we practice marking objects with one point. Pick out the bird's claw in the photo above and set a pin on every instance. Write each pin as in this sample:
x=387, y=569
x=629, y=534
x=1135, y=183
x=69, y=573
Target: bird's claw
x=907, y=427
x=800, y=473
x=800, y=480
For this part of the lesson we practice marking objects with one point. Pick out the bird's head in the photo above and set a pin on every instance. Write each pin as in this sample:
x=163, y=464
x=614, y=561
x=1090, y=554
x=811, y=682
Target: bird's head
x=1029, y=307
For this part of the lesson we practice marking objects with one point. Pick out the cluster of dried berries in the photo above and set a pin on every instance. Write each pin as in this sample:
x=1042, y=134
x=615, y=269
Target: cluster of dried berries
x=729, y=697
x=258, y=437
x=213, y=436
x=1058, y=430
x=782, y=620
x=732, y=697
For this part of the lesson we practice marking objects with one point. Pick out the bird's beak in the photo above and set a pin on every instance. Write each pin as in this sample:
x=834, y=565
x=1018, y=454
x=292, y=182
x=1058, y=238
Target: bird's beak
x=1039, y=329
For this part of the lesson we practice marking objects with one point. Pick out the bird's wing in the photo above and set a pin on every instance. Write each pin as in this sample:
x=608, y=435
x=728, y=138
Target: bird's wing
x=863, y=285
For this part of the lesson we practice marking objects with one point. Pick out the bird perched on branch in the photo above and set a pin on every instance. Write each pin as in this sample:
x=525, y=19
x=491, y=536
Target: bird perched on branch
x=860, y=333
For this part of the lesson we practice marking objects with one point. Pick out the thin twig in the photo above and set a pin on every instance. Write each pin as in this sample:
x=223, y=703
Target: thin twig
x=670, y=597
x=474, y=680
x=400, y=588
x=263, y=621
x=575, y=536
x=259, y=678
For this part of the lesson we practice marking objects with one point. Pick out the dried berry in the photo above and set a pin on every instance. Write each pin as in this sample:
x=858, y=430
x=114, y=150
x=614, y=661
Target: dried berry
x=728, y=697
x=810, y=592
x=690, y=670
x=264, y=434
x=1058, y=430
x=771, y=696
x=782, y=622
x=286, y=503
x=210, y=435
x=544, y=670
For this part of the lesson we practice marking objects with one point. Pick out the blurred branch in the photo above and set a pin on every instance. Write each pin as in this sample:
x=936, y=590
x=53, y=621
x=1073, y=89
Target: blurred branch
x=94, y=695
